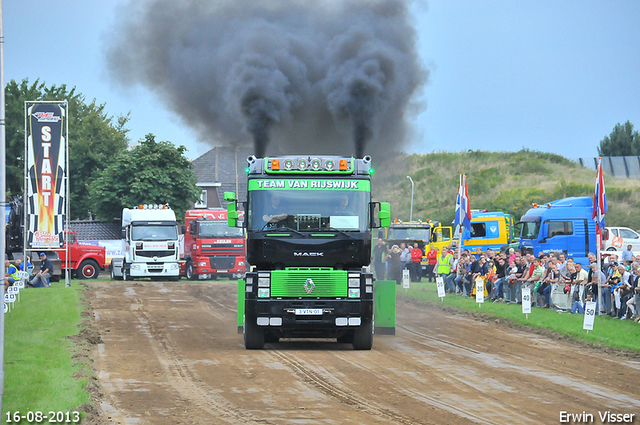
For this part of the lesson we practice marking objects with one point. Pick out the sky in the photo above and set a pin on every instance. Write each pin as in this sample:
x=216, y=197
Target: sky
x=547, y=75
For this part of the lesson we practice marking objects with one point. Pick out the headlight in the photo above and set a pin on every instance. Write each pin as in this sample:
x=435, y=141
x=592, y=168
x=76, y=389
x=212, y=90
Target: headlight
x=263, y=292
x=202, y=264
x=241, y=263
x=174, y=266
x=135, y=267
x=354, y=283
x=354, y=293
x=264, y=282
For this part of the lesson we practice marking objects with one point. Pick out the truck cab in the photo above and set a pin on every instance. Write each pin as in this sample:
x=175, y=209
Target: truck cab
x=616, y=239
x=565, y=225
x=308, y=224
x=151, y=245
x=211, y=247
x=489, y=229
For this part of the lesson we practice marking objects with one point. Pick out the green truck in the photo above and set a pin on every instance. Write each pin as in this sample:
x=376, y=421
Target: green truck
x=308, y=223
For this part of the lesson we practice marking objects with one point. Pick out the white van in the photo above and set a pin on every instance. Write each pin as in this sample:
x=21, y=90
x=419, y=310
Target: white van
x=618, y=238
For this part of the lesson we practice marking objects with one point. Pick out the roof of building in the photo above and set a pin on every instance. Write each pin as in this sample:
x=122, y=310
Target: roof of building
x=224, y=165
x=91, y=230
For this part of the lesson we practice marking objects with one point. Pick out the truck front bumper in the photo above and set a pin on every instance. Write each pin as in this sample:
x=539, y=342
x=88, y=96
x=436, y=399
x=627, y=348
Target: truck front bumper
x=319, y=318
x=154, y=269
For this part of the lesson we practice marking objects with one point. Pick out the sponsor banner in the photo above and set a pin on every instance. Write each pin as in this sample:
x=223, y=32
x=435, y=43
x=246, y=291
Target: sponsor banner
x=309, y=184
x=46, y=167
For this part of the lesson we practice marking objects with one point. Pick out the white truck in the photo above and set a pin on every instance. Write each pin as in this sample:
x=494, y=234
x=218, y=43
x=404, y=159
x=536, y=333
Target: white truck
x=151, y=246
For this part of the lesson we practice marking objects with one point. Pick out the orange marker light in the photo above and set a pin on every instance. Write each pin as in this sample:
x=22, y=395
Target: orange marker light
x=343, y=165
x=275, y=164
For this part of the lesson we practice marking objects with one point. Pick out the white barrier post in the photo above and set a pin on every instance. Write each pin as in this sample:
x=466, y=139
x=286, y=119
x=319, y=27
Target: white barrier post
x=589, y=315
x=479, y=291
x=405, y=279
x=440, y=286
x=526, y=301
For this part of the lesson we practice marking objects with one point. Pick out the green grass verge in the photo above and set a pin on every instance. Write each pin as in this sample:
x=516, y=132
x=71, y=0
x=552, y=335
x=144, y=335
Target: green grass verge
x=607, y=331
x=39, y=369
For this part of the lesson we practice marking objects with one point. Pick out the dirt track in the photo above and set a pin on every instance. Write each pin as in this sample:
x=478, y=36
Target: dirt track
x=171, y=355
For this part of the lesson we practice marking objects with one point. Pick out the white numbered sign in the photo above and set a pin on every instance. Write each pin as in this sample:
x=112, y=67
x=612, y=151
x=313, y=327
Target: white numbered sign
x=6, y=308
x=526, y=300
x=22, y=275
x=13, y=290
x=19, y=284
x=405, y=278
x=9, y=298
x=589, y=315
x=440, y=286
x=479, y=290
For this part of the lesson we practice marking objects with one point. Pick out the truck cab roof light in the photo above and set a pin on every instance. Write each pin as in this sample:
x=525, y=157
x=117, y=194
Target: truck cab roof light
x=344, y=165
x=275, y=164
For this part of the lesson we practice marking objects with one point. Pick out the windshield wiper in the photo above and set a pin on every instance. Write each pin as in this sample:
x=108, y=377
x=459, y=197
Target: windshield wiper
x=333, y=229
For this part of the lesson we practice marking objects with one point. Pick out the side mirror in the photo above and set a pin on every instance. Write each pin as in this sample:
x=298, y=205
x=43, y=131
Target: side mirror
x=192, y=228
x=183, y=229
x=232, y=212
x=124, y=233
x=380, y=214
x=385, y=214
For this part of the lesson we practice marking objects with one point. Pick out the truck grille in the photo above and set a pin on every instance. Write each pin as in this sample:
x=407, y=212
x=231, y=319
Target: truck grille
x=151, y=254
x=291, y=283
x=220, y=263
x=223, y=249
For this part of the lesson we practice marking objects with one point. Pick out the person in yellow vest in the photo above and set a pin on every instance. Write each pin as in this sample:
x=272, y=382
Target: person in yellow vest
x=9, y=274
x=444, y=265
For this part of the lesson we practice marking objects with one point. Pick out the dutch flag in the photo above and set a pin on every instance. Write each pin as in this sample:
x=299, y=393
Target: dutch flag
x=599, y=198
x=463, y=211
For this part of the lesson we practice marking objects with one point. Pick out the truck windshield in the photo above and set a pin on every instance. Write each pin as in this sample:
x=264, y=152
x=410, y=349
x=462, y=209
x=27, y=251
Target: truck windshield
x=154, y=233
x=215, y=229
x=308, y=210
x=413, y=234
x=530, y=229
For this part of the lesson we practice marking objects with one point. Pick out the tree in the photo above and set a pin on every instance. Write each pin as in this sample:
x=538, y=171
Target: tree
x=151, y=173
x=622, y=141
x=94, y=138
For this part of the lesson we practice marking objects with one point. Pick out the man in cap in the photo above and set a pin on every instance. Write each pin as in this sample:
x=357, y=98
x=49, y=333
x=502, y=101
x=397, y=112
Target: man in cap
x=46, y=270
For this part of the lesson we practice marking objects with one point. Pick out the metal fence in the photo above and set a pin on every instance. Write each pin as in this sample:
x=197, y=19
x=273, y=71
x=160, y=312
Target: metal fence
x=617, y=166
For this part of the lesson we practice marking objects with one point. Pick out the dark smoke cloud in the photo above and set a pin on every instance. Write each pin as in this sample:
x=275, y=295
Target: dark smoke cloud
x=333, y=77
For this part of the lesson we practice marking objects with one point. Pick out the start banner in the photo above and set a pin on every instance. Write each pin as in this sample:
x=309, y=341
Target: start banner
x=46, y=156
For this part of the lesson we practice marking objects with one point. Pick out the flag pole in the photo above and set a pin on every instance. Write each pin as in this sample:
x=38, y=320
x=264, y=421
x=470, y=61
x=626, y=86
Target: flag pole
x=459, y=212
x=599, y=238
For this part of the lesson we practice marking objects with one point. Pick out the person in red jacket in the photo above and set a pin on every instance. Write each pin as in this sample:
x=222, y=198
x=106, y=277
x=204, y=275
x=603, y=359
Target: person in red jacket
x=432, y=259
x=416, y=258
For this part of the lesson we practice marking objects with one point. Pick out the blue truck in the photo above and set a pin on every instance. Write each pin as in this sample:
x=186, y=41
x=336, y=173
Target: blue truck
x=565, y=225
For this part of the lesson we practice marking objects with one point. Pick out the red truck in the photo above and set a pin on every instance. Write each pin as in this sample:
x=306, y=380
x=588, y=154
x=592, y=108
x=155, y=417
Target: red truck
x=211, y=247
x=85, y=261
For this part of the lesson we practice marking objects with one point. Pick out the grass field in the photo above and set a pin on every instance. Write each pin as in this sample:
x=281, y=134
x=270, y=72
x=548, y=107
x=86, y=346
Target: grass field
x=40, y=373
x=607, y=331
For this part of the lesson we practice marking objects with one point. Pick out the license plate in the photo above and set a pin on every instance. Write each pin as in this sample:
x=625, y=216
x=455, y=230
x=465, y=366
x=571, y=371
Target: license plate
x=223, y=271
x=308, y=312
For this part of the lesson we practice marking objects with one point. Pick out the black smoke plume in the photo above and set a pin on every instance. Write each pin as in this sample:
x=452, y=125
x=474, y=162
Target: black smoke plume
x=293, y=76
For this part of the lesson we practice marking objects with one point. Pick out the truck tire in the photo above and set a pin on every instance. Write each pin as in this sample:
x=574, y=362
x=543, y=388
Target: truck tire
x=611, y=249
x=113, y=273
x=188, y=270
x=253, y=335
x=88, y=269
x=363, y=336
x=126, y=274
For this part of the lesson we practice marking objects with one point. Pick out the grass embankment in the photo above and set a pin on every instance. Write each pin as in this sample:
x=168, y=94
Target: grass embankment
x=497, y=181
x=39, y=368
x=607, y=331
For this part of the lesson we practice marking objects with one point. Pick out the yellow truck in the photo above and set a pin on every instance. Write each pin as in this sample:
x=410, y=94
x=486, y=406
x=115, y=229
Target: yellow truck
x=425, y=233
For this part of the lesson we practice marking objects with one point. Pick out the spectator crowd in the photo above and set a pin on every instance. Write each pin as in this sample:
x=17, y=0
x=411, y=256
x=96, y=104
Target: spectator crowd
x=555, y=281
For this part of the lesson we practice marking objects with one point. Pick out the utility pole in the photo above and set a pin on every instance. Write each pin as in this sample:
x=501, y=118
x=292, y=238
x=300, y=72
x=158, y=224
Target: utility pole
x=3, y=197
x=411, y=213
